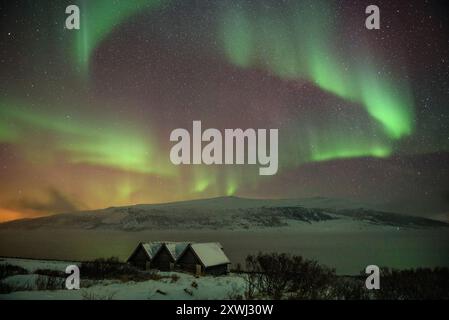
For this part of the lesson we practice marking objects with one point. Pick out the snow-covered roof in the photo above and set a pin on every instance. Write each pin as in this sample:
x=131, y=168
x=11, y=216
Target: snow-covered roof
x=210, y=254
x=176, y=248
x=151, y=248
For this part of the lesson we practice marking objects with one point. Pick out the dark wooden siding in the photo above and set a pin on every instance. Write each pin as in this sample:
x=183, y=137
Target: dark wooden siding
x=217, y=270
x=162, y=260
x=139, y=258
x=188, y=261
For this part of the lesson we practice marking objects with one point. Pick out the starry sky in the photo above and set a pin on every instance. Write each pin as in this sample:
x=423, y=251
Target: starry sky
x=86, y=115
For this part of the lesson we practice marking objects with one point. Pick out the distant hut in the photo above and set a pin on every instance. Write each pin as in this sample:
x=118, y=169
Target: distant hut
x=143, y=255
x=166, y=257
x=204, y=258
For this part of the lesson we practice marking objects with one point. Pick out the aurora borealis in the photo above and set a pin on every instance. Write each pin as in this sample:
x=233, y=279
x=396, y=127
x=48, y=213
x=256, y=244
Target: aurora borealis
x=299, y=41
x=86, y=115
x=99, y=19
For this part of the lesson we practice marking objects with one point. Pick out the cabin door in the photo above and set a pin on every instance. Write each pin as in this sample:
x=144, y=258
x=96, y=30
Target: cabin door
x=198, y=270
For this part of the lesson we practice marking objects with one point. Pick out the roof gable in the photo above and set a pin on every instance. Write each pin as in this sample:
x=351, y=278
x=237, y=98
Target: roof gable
x=152, y=248
x=149, y=248
x=176, y=248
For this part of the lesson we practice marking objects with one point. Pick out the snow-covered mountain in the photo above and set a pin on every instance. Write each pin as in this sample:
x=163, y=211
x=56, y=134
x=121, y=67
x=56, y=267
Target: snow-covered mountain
x=225, y=213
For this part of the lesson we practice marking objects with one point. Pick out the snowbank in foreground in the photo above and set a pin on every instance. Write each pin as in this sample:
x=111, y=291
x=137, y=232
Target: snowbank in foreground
x=173, y=286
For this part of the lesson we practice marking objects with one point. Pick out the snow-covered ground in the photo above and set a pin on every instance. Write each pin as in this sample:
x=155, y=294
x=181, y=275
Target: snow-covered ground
x=173, y=285
x=32, y=265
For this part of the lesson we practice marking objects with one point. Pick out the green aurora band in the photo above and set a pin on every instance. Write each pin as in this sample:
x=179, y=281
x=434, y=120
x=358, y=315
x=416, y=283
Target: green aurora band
x=84, y=142
x=297, y=43
x=98, y=19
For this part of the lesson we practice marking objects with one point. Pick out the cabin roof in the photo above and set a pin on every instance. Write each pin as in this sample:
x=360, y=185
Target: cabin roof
x=151, y=248
x=210, y=253
x=176, y=248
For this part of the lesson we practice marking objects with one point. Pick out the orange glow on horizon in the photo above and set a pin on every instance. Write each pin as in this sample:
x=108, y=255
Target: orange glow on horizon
x=9, y=215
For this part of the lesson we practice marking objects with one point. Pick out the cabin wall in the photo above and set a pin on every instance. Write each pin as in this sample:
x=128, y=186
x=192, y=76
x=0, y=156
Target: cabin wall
x=163, y=260
x=217, y=270
x=188, y=261
x=139, y=259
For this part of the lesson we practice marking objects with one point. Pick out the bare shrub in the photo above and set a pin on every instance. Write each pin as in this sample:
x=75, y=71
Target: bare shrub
x=350, y=288
x=51, y=273
x=49, y=283
x=112, y=268
x=174, y=278
x=413, y=284
x=5, y=288
x=282, y=275
x=250, y=283
x=103, y=268
x=7, y=270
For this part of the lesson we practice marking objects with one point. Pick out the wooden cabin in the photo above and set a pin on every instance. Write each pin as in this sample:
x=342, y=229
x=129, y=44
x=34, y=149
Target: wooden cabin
x=204, y=258
x=143, y=254
x=198, y=258
x=166, y=257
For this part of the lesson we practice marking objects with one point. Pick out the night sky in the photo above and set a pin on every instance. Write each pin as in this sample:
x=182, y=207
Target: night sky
x=86, y=115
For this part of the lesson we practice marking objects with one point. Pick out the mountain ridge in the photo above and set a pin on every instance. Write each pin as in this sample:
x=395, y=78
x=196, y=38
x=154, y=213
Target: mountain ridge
x=225, y=213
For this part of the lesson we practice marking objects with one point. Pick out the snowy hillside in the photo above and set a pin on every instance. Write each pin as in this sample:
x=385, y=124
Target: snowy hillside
x=223, y=213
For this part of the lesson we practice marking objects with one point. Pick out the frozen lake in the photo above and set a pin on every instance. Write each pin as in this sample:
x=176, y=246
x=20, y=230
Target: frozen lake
x=347, y=251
